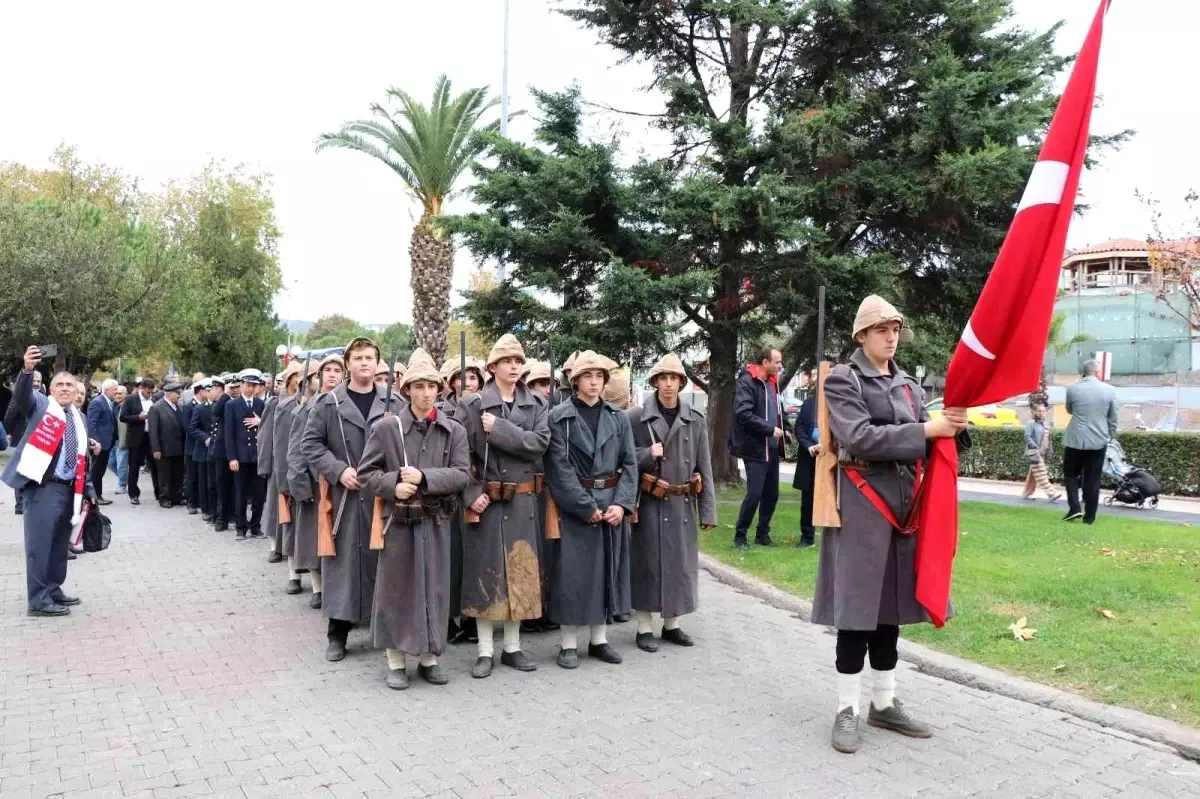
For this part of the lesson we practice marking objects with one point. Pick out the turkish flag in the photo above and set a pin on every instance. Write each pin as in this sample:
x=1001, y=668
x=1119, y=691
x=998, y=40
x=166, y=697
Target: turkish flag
x=1000, y=352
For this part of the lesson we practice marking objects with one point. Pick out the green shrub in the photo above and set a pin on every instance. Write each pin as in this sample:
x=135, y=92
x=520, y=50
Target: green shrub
x=1173, y=458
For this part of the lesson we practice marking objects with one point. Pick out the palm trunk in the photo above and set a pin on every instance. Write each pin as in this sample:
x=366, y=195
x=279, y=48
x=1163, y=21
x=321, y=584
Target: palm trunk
x=432, y=258
x=1041, y=396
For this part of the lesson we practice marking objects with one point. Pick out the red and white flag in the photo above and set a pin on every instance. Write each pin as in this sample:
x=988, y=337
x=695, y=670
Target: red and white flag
x=1000, y=353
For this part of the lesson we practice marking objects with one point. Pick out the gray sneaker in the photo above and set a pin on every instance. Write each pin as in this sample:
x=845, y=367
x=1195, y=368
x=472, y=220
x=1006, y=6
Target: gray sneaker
x=897, y=719
x=845, y=731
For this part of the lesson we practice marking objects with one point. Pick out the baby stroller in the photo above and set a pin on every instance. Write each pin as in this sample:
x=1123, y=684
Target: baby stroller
x=1135, y=486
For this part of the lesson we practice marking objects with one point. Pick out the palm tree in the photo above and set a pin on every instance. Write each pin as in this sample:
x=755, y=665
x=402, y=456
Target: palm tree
x=1057, y=343
x=428, y=147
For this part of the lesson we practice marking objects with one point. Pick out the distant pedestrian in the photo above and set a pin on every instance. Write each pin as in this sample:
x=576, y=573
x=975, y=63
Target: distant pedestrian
x=118, y=459
x=757, y=438
x=168, y=438
x=102, y=426
x=1092, y=404
x=1038, y=450
x=804, y=480
x=133, y=413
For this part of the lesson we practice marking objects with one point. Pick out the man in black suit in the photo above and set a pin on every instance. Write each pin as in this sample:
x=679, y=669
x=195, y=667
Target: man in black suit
x=137, y=442
x=102, y=427
x=199, y=422
x=167, y=434
x=806, y=455
x=242, y=417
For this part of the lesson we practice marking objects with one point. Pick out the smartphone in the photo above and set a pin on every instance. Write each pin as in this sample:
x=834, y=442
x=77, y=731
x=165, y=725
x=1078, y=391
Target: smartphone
x=48, y=351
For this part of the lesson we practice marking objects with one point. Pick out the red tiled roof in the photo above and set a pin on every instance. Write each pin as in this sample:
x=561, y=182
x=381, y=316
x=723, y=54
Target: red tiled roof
x=1134, y=245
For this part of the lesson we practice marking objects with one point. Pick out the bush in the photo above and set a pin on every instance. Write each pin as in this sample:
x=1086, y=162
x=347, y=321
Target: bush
x=1173, y=458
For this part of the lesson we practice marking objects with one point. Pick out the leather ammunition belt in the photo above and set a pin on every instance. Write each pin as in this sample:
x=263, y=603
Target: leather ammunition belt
x=660, y=488
x=600, y=483
x=411, y=511
x=498, y=491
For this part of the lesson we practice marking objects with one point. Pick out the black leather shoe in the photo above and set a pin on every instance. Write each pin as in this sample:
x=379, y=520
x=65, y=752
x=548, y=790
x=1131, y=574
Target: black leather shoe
x=741, y=544
x=49, y=610
x=397, y=679
x=257, y=534
x=103, y=501
x=71, y=556
x=432, y=674
x=19, y=511
x=135, y=501
x=646, y=642
x=207, y=517
x=568, y=658
x=165, y=504
x=802, y=544
x=621, y=618
x=193, y=511
x=335, y=651
x=518, y=661
x=677, y=637
x=274, y=557
x=75, y=550
x=315, y=602
x=241, y=535
x=67, y=601
x=764, y=542
x=604, y=652
x=1073, y=515
x=221, y=527
x=482, y=668
x=293, y=587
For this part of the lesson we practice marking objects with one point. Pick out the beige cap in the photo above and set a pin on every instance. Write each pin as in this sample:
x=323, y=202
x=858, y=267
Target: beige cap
x=588, y=360
x=569, y=364
x=328, y=359
x=399, y=367
x=294, y=367
x=875, y=310
x=382, y=369
x=616, y=390
x=668, y=364
x=506, y=347
x=420, y=367
x=536, y=370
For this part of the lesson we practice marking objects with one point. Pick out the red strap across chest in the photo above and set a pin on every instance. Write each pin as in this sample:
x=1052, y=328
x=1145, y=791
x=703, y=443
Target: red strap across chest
x=910, y=525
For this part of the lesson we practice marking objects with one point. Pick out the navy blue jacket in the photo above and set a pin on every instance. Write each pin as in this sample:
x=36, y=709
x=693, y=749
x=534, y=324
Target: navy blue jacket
x=216, y=449
x=751, y=437
x=241, y=442
x=102, y=422
x=198, y=430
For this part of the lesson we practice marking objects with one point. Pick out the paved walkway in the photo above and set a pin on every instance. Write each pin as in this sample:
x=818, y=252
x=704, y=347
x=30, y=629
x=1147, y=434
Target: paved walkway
x=188, y=672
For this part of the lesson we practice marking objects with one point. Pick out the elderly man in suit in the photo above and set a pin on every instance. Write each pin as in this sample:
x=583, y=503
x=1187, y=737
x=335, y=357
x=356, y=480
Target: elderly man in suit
x=134, y=413
x=1092, y=404
x=168, y=432
x=50, y=468
x=102, y=427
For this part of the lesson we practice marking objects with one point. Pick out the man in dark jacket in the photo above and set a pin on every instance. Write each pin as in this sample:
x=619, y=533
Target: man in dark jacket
x=167, y=435
x=199, y=422
x=240, y=427
x=133, y=414
x=757, y=438
x=14, y=425
x=102, y=427
x=806, y=453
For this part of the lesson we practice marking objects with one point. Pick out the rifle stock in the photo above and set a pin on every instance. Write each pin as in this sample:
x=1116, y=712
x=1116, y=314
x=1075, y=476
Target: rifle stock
x=326, y=548
x=825, y=505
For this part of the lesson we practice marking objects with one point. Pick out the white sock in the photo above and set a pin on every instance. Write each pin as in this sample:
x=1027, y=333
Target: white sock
x=316, y=580
x=883, y=688
x=486, y=634
x=670, y=622
x=570, y=636
x=849, y=686
x=428, y=659
x=512, y=636
x=599, y=634
x=395, y=659
x=645, y=622
x=292, y=575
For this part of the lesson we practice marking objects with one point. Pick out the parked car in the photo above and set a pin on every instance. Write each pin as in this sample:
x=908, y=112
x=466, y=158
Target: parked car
x=983, y=416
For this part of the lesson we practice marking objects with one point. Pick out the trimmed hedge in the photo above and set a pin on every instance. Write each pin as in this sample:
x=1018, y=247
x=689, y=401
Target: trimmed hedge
x=1173, y=458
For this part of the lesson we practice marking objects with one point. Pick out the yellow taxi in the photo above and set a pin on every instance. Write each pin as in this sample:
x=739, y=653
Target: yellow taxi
x=983, y=416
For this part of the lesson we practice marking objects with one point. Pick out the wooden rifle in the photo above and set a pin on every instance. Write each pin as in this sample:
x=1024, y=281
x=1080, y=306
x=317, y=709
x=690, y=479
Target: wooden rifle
x=378, y=527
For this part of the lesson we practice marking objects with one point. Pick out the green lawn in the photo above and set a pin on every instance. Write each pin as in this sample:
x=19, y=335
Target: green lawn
x=1015, y=562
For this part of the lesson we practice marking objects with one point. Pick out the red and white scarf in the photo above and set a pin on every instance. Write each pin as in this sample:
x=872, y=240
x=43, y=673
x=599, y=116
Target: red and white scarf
x=43, y=443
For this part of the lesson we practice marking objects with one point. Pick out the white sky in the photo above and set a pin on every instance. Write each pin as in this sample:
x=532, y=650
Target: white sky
x=158, y=89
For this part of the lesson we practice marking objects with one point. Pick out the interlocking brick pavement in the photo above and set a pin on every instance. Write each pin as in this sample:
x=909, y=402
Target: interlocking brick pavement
x=188, y=672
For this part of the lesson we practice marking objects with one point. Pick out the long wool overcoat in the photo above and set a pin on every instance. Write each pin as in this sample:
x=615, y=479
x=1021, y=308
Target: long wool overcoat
x=501, y=570
x=334, y=437
x=590, y=582
x=302, y=483
x=664, y=559
x=867, y=573
x=411, y=610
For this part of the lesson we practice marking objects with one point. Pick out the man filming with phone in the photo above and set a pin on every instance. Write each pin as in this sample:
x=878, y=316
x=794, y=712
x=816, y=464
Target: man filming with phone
x=50, y=467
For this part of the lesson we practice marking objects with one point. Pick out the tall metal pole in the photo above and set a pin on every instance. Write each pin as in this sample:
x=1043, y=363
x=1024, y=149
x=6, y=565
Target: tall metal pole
x=820, y=326
x=500, y=269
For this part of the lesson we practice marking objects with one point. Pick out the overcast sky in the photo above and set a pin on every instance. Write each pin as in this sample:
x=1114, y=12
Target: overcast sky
x=158, y=89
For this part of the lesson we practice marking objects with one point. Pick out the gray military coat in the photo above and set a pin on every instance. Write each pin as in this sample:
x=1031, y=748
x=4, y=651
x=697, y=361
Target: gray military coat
x=281, y=429
x=334, y=437
x=501, y=570
x=664, y=559
x=302, y=484
x=266, y=468
x=867, y=571
x=411, y=611
x=590, y=582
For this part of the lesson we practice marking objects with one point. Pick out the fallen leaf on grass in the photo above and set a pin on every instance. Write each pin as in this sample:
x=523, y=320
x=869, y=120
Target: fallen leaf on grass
x=1020, y=631
x=730, y=526
x=1108, y=552
x=1060, y=668
x=1105, y=612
